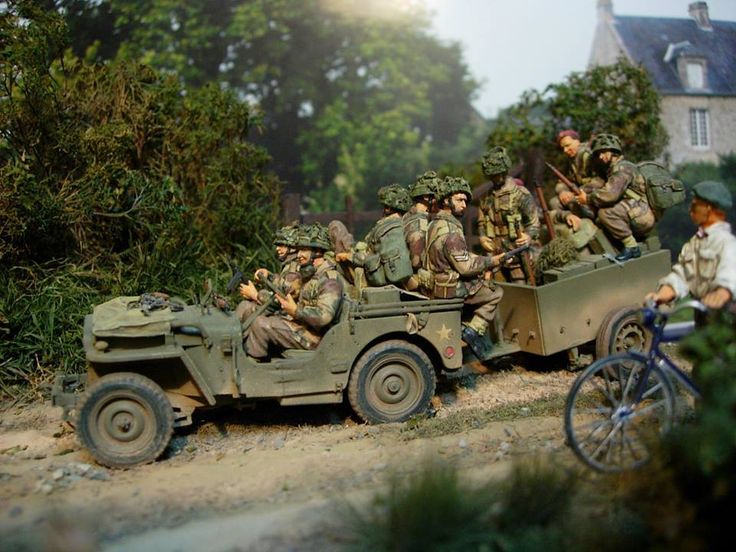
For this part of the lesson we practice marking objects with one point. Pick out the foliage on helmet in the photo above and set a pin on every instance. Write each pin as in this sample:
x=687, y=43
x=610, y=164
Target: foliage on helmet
x=313, y=235
x=286, y=235
x=496, y=161
x=395, y=196
x=426, y=184
x=454, y=185
x=604, y=142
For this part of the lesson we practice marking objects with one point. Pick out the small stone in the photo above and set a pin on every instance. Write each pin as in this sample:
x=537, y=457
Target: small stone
x=463, y=444
x=99, y=475
x=46, y=488
x=82, y=469
x=278, y=443
x=380, y=466
x=58, y=474
x=525, y=411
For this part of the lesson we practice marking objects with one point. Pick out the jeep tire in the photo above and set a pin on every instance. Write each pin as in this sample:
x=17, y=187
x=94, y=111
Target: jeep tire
x=124, y=419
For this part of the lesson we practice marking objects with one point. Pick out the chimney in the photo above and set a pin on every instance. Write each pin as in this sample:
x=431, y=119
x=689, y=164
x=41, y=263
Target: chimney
x=605, y=10
x=699, y=12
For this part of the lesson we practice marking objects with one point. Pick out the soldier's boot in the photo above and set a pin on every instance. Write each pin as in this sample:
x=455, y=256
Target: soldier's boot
x=474, y=334
x=631, y=250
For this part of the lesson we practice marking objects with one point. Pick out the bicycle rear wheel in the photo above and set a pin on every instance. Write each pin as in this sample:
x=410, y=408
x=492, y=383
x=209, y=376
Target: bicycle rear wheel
x=605, y=426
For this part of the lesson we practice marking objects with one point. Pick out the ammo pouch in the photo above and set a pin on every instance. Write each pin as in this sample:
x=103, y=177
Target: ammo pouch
x=445, y=285
x=374, y=273
x=396, y=267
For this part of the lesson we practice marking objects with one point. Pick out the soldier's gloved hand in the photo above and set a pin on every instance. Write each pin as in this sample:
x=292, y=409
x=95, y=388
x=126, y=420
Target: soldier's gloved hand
x=248, y=291
x=261, y=273
x=573, y=221
x=566, y=197
x=523, y=239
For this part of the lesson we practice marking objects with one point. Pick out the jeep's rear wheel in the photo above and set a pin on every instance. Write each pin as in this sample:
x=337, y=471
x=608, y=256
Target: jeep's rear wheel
x=391, y=382
x=125, y=419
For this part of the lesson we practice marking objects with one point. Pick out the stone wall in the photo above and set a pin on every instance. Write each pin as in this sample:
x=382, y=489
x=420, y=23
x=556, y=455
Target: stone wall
x=676, y=119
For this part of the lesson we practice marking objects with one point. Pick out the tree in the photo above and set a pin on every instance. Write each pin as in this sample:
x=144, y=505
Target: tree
x=354, y=94
x=618, y=99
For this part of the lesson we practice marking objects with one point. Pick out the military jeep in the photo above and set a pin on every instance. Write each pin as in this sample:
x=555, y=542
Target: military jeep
x=150, y=369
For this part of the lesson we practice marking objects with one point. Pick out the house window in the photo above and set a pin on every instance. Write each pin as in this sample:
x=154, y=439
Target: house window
x=699, y=128
x=695, y=75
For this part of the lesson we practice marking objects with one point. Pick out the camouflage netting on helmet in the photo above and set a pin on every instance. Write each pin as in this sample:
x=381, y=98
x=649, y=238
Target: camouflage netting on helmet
x=557, y=253
x=496, y=161
x=603, y=142
x=286, y=235
x=454, y=185
x=314, y=235
x=426, y=184
x=395, y=196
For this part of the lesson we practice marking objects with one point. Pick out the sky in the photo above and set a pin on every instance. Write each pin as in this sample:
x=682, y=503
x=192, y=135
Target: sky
x=515, y=45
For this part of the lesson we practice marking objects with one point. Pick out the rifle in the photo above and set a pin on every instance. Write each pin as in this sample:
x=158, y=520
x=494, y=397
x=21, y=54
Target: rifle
x=514, y=252
x=586, y=211
x=238, y=277
x=545, y=210
x=524, y=252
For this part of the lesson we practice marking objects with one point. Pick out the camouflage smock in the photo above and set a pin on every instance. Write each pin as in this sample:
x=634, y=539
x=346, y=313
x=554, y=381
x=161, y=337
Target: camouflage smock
x=448, y=255
x=505, y=212
x=320, y=298
x=416, y=224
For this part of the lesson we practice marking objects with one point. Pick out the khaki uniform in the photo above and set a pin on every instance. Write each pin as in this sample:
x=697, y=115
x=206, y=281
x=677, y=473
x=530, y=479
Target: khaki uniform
x=287, y=279
x=457, y=271
x=504, y=214
x=622, y=204
x=318, y=307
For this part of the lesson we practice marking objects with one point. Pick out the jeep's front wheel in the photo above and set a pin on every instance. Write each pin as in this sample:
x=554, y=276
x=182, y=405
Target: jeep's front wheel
x=124, y=419
x=391, y=382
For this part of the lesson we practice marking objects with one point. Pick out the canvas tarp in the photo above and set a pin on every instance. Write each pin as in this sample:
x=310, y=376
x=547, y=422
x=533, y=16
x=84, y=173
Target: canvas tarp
x=123, y=317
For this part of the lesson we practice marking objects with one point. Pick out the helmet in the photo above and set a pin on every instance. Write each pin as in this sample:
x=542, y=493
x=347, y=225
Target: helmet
x=395, y=196
x=453, y=185
x=496, y=161
x=604, y=142
x=426, y=184
x=286, y=235
x=313, y=235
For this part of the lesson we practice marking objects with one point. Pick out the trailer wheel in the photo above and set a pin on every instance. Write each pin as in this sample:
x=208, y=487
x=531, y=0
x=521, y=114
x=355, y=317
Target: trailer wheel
x=391, y=382
x=620, y=331
x=124, y=419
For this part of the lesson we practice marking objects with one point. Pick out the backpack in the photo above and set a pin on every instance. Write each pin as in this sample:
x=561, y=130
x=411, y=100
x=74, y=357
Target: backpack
x=390, y=262
x=663, y=190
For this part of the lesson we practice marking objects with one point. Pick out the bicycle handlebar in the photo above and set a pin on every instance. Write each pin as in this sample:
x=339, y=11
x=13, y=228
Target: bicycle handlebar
x=652, y=313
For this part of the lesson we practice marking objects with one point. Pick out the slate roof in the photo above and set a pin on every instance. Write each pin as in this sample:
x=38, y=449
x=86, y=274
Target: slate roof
x=647, y=38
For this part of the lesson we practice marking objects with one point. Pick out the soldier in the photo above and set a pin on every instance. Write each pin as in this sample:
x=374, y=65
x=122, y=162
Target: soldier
x=581, y=172
x=706, y=267
x=385, y=255
x=457, y=272
x=508, y=216
x=416, y=222
x=288, y=277
x=623, y=209
x=303, y=322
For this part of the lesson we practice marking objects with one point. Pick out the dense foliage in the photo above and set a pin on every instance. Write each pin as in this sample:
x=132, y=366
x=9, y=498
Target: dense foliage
x=618, y=99
x=114, y=179
x=355, y=94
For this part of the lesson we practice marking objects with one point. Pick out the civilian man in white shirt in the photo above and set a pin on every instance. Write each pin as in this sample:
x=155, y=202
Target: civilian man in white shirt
x=706, y=267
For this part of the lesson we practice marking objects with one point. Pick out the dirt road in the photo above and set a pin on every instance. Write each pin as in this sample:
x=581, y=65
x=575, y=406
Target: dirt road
x=260, y=480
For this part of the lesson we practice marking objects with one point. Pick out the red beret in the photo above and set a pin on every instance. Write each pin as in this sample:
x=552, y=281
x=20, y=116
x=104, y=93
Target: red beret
x=569, y=132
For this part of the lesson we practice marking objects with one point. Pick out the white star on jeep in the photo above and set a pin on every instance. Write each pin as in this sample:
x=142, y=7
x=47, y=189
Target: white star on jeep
x=444, y=333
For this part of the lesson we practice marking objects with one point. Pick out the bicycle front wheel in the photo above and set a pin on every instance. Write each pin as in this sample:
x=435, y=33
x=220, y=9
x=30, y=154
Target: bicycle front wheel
x=606, y=426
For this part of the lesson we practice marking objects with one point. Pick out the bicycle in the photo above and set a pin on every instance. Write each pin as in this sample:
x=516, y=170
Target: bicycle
x=620, y=404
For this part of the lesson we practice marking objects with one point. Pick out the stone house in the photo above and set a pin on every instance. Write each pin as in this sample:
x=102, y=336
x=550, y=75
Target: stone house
x=692, y=63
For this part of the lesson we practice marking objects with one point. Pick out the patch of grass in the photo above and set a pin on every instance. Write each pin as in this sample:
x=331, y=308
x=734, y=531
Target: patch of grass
x=472, y=418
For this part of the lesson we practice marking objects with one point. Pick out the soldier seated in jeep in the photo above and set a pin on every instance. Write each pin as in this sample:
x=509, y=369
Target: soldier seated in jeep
x=302, y=322
x=383, y=254
x=288, y=277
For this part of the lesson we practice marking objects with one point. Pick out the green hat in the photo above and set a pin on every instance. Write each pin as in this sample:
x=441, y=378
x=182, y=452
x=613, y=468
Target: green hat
x=313, y=235
x=453, y=185
x=286, y=235
x=426, y=184
x=496, y=161
x=395, y=196
x=715, y=193
x=603, y=142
